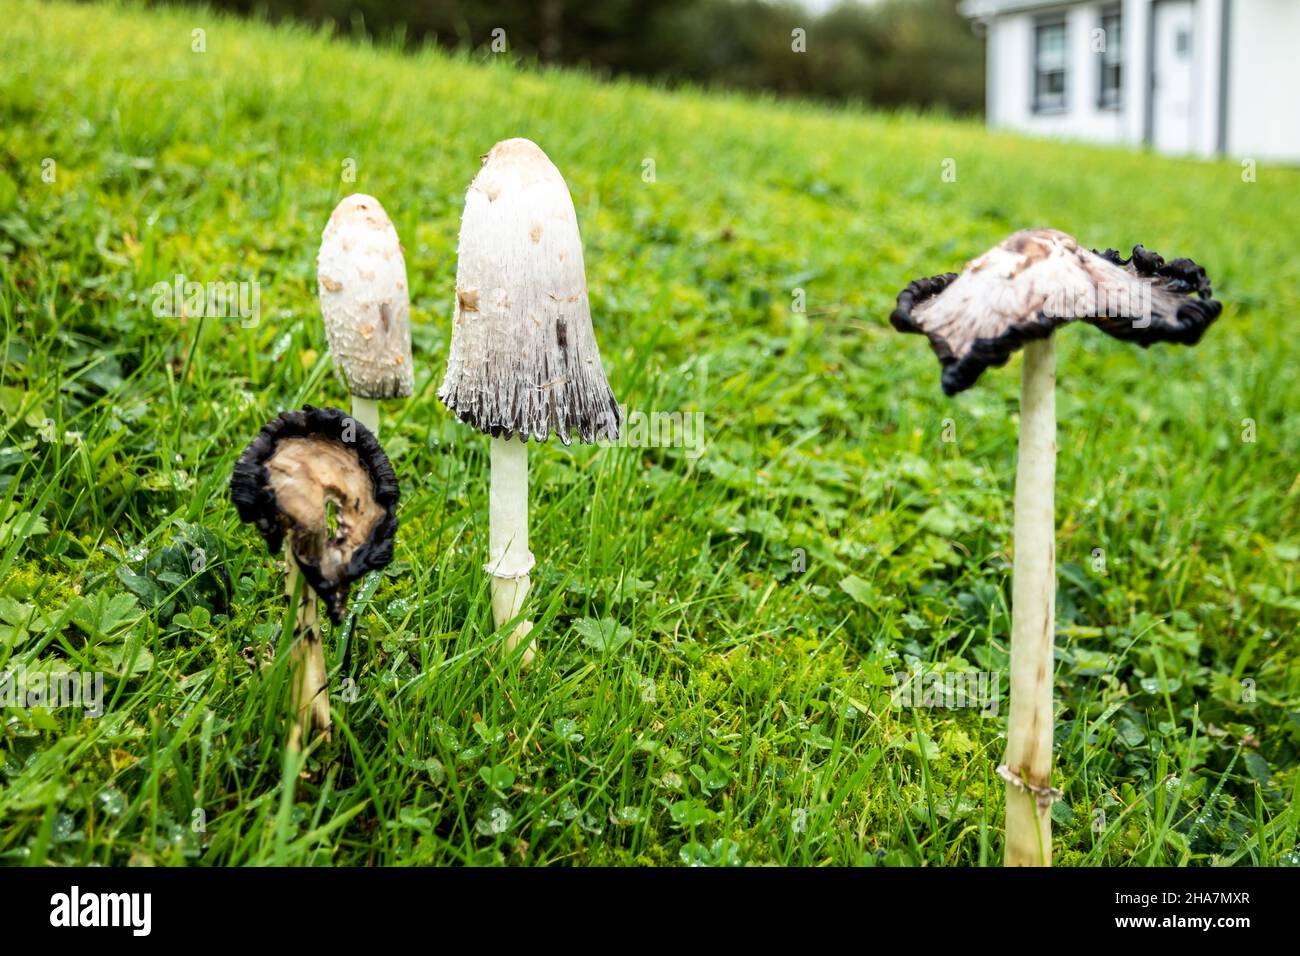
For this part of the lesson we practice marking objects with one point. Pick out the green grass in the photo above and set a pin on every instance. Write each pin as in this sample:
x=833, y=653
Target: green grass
x=699, y=697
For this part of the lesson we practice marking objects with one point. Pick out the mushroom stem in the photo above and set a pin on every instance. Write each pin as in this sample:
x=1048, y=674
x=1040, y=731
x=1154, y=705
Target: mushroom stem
x=1028, y=769
x=311, y=703
x=366, y=411
x=509, y=558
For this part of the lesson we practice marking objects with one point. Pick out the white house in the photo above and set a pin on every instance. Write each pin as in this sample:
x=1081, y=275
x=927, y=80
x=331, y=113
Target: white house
x=1191, y=77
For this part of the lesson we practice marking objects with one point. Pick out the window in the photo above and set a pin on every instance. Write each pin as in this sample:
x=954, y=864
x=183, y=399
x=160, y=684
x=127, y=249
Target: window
x=1049, y=65
x=1111, y=57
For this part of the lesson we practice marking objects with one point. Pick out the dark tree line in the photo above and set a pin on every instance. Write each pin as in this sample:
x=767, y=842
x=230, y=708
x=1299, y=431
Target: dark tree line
x=892, y=53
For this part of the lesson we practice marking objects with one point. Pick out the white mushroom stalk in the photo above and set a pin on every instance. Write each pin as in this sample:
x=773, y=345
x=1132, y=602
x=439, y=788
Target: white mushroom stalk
x=1017, y=294
x=1028, y=770
x=523, y=362
x=364, y=299
x=509, y=559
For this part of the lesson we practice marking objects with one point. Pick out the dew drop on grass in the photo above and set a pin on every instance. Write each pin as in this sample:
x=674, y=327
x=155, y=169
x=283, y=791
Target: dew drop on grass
x=694, y=854
x=281, y=346
x=63, y=829
x=169, y=837
x=629, y=816
x=111, y=801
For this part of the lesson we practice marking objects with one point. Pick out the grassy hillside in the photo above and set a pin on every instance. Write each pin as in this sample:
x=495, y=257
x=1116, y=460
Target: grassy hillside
x=718, y=631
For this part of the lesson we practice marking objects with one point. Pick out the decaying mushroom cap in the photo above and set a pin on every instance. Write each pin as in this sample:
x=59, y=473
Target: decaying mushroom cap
x=523, y=358
x=1038, y=279
x=300, y=467
x=361, y=277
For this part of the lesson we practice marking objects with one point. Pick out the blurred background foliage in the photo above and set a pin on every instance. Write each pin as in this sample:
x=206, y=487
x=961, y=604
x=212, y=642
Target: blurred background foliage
x=883, y=52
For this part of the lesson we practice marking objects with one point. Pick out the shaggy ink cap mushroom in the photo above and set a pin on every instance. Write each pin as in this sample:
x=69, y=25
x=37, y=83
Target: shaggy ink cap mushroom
x=302, y=464
x=364, y=299
x=1038, y=279
x=523, y=358
x=1014, y=295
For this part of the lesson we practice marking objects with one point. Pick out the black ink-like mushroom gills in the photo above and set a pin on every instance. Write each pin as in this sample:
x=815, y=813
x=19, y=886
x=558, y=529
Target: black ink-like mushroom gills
x=317, y=483
x=1015, y=295
x=365, y=302
x=523, y=362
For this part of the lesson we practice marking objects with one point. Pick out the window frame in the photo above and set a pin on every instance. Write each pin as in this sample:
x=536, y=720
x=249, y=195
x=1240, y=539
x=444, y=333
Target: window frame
x=1040, y=104
x=1111, y=98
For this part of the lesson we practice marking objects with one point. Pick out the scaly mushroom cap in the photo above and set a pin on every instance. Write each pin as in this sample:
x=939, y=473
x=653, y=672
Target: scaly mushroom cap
x=1037, y=279
x=302, y=465
x=523, y=358
x=361, y=277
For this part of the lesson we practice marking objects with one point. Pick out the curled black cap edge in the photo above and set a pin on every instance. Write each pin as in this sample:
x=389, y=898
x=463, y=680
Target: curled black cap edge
x=1188, y=326
x=251, y=493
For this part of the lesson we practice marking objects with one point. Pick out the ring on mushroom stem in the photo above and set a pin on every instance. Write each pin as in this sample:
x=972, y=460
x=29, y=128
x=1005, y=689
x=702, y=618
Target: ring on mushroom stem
x=303, y=470
x=523, y=362
x=1015, y=295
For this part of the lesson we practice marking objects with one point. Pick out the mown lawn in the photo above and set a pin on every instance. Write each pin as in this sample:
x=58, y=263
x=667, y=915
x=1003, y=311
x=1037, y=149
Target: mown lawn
x=718, y=633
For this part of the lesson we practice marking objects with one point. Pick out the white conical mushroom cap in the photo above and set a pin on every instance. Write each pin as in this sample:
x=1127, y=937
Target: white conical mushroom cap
x=523, y=358
x=364, y=299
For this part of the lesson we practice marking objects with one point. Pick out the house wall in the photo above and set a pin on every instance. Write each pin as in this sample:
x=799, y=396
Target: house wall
x=1207, y=47
x=1010, y=78
x=1136, y=69
x=1263, y=119
x=1263, y=72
